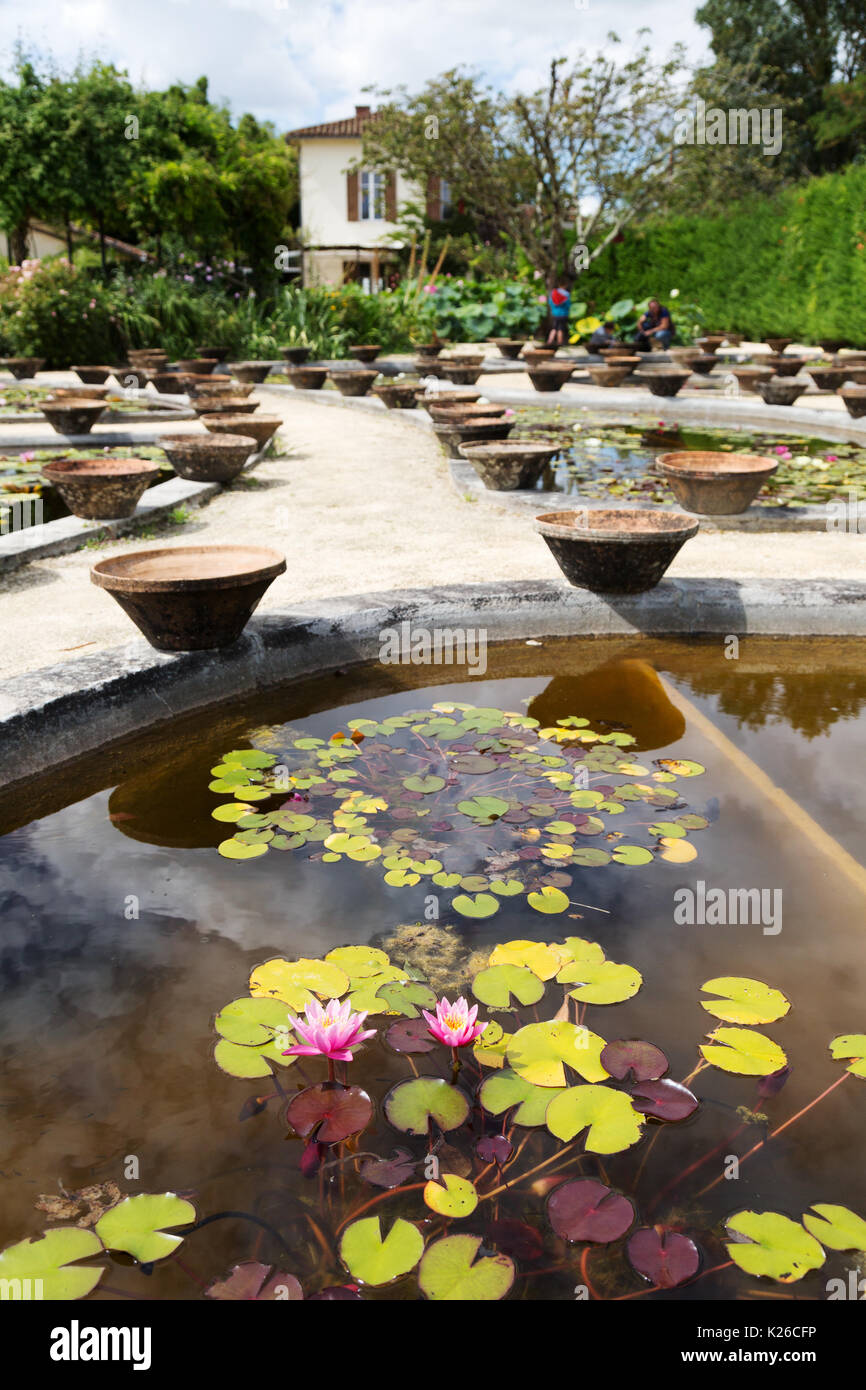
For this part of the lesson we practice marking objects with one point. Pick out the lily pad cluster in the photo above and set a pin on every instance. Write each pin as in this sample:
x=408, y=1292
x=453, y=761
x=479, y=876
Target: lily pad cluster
x=552, y=1087
x=483, y=803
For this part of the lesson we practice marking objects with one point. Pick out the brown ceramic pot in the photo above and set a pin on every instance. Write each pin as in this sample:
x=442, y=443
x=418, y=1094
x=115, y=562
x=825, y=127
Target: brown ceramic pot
x=778, y=345
x=715, y=484
x=173, y=383
x=308, y=378
x=129, y=376
x=296, y=355
x=80, y=393
x=197, y=365
x=615, y=551
x=190, y=598
x=397, y=395
x=470, y=431
x=455, y=411
x=353, y=382
x=456, y=397
x=550, y=376
x=249, y=371
x=218, y=354
x=509, y=347
x=504, y=467
x=461, y=376
x=609, y=375
x=748, y=377
x=223, y=405
x=73, y=417
x=703, y=364
x=781, y=365
x=210, y=458
x=260, y=427
x=663, y=381
x=855, y=400
x=101, y=489
x=779, y=390
x=93, y=376
x=23, y=367
x=365, y=352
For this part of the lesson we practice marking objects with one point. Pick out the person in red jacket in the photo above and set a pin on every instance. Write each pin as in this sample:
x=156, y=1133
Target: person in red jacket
x=559, y=300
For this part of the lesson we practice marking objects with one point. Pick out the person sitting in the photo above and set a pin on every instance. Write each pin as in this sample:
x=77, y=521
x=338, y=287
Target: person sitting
x=655, y=326
x=559, y=300
x=603, y=337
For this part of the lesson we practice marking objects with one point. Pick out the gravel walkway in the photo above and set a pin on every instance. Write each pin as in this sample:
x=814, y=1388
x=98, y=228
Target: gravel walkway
x=358, y=501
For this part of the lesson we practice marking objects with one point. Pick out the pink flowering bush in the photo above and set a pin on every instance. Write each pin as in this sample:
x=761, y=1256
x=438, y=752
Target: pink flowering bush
x=53, y=310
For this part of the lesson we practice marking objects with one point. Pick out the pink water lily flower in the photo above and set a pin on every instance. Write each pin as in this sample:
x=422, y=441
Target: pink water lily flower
x=454, y=1024
x=330, y=1032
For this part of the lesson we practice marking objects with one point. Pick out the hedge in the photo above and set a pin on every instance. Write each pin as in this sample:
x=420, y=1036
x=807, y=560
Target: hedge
x=792, y=266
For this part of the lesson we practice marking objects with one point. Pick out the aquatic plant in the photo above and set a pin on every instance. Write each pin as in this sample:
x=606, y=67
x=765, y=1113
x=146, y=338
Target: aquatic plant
x=429, y=794
x=526, y=1168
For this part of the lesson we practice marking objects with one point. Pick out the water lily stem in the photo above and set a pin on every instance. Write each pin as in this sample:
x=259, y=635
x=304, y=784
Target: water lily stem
x=380, y=1197
x=772, y=1135
x=523, y=1176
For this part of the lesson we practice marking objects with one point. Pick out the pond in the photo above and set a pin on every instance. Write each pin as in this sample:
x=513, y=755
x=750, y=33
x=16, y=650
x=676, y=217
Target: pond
x=21, y=474
x=676, y=765
x=616, y=461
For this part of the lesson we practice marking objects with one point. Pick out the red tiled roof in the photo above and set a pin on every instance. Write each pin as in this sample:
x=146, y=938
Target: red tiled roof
x=353, y=125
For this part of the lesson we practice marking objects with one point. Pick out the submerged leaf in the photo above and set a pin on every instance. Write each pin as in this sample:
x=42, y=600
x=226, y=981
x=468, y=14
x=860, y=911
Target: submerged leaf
x=257, y=1283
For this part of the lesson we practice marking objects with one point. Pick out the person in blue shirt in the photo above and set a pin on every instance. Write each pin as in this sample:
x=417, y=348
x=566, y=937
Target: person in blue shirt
x=559, y=300
x=655, y=326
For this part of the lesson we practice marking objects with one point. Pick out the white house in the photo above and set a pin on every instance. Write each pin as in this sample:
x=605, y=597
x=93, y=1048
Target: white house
x=348, y=218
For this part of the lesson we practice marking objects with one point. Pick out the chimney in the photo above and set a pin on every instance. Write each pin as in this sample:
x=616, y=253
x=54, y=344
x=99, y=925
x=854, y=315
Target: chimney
x=361, y=112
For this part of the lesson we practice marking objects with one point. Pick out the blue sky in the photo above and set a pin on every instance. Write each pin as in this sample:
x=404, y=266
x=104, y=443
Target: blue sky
x=297, y=62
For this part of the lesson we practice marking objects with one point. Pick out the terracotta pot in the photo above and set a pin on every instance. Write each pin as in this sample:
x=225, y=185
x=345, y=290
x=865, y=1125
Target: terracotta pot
x=93, y=376
x=213, y=458
x=73, y=417
x=428, y=366
x=470, y=431
x=260, y=427
x=509, y=347
x=134, y=353
x=715, y=484
x=197, y=365
x=190, y=598
x=685, y=356
x=461, y=376
x=455, y=411
x=129, y=376
x=79, y=393
x=536, y=354
x=778, y=345
x=101, y=489
x=779, y=390
x=710, y=343
x=250, y=371
x=223, y=405
x=629, y=362
x=609, y=375
x=218, y=354
x=22, y=367
x=781, y=365
x=296, y=355
x=397, y=395
x=365, y=352
x=172, y=383
x=308, y=378
x=749, y=376
x=855, y=400
x=831, y=344
x=428, y=399
x=849, y=359
x=430, y=349
x=353, y=382
x=612, y=350
x=664, y=381
x=205, y=384
x=703, y=364
x=550, y=376
x=831, y=378
x=504, y=467
x=622, y=551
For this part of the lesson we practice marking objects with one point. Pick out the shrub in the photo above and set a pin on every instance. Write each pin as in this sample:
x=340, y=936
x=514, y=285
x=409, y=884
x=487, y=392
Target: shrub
x=53, y=310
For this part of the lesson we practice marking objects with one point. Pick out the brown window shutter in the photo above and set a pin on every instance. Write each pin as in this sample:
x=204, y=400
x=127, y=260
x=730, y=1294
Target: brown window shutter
x=352, y=195
x=434, y=201
x=391, y=198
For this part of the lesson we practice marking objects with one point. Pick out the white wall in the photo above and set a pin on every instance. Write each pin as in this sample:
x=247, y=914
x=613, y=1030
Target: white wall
x=323, y=164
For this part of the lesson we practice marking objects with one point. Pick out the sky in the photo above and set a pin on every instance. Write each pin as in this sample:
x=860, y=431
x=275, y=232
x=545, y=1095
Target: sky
x=298, y=62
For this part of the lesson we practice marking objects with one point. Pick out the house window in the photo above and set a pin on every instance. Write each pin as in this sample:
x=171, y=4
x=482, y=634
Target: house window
x=446, y=204
x=371, y=197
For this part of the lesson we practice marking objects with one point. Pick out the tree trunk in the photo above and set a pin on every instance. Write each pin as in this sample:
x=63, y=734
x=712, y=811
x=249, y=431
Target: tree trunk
x=69, y=246
x=102, y=248
x=18, y=242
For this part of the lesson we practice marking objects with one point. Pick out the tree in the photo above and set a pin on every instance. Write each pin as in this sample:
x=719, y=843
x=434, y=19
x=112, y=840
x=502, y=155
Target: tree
x=35, y=175
x=558, y=172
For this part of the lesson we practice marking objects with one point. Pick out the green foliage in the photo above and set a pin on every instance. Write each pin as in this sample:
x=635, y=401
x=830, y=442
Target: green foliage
x=52, y=310
x=793, y=265
x=473, y=310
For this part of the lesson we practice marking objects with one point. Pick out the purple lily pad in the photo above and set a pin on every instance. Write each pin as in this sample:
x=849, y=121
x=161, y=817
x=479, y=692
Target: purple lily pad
x=494, y=1148
x=331, y=1113
x=389, y=1172
x=337, y=1293
x=557, y=879
x=256, y=1283
x=665, y=1099
x=529, y=852
x=771, y=1085
x=517, y=817
x=585, y=1209
x=644, y=1060
x=516, y=1238
x=574, y=817
x=410, y=1035
x=665, y=1258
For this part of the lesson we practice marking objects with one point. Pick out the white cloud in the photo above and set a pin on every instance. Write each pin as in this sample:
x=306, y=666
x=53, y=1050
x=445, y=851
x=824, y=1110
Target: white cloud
x=297, y=62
